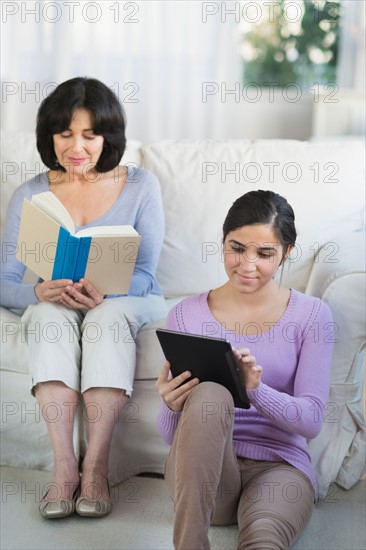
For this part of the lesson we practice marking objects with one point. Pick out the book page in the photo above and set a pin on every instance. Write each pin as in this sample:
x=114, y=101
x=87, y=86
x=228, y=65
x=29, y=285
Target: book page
x=111, y=262
x=37, y=240
x=53, y=207
x=107, y=231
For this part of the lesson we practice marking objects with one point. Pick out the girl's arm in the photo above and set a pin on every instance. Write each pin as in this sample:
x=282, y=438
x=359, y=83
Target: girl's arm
x=303, y=412
x=167, y=420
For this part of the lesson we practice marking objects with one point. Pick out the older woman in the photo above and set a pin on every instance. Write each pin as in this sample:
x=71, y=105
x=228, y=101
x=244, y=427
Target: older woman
x=81, y=139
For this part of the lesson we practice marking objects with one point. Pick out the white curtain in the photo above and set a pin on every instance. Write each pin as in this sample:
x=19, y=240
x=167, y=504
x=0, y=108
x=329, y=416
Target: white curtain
x=160, y=56
x=157, y=55
x=352, y=60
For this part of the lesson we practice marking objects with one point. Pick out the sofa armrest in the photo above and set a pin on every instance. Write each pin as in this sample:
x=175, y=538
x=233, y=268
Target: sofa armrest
x=342, y=257
x=338, y=278
x=338, y=452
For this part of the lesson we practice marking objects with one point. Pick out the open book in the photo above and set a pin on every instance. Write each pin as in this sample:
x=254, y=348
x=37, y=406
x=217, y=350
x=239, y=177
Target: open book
x=49, y=246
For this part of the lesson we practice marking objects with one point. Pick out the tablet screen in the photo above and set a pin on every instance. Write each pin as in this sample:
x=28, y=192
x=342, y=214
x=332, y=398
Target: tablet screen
x=208, y=359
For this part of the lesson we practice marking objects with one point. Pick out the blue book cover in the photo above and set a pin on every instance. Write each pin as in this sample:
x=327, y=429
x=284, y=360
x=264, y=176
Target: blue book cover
x=82, y=259
x=61, y=249
x=71, y=255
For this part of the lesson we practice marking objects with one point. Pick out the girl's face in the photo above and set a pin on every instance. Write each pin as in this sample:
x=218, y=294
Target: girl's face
x=252, y=255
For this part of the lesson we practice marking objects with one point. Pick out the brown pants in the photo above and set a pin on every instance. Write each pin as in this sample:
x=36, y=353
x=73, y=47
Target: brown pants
x=272, y=502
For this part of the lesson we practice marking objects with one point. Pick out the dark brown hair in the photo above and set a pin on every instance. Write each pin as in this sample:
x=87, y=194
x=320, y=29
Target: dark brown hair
x=56, y=111
x=263, y=207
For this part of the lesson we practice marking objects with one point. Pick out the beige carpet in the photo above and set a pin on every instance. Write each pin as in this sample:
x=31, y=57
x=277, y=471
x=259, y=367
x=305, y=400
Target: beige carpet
x=142, y=519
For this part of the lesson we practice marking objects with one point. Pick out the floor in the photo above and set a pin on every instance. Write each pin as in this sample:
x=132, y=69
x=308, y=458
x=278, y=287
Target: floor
x=142, y=519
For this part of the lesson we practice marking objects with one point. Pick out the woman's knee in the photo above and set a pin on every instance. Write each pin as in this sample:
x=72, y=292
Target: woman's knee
x=107, y=321
x=107, y=311
x=46, y=312
x=133, y=310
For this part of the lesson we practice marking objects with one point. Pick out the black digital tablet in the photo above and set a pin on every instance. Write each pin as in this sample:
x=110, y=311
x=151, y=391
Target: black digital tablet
x=208, y=359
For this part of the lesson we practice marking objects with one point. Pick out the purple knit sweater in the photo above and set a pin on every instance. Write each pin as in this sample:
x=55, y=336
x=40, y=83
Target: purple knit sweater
x=288, y=407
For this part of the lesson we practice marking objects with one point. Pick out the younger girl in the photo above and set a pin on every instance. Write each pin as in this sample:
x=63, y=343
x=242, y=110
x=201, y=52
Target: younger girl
x=249, y=466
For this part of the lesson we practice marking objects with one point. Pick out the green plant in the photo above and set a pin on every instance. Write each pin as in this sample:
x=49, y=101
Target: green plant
x=303, y=51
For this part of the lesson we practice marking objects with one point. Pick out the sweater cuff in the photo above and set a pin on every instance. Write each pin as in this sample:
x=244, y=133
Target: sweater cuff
x=35, y=295
x=26, y=295
x=168, y=422
x=254, y=394
x=140, y=285
x=170, y=418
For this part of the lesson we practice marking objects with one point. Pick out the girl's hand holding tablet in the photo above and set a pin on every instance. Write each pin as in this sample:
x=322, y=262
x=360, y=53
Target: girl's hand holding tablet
x=173, y=390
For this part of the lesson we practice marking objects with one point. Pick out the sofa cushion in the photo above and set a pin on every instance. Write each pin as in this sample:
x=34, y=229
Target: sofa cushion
x=136, y=445
x=149, y=355
x=201, y=179
x=14, y=353
x=24, y=438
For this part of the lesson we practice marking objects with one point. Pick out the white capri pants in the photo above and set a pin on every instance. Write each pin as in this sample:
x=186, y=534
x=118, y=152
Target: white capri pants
x=90, y=347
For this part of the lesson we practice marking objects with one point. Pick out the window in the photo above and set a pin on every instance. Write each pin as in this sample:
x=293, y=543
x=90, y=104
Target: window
x=291, y=42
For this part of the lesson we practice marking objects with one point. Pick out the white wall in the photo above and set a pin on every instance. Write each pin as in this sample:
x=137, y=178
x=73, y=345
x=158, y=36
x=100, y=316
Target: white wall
x=268, y=116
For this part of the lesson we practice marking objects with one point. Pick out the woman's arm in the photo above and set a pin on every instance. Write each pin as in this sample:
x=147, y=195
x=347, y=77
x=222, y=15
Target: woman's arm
x=150, y=225
x=13, y=292
x=303, y=412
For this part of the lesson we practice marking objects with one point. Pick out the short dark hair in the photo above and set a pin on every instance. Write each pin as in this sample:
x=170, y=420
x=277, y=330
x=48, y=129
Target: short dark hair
x=56, y=111
x=263, y=207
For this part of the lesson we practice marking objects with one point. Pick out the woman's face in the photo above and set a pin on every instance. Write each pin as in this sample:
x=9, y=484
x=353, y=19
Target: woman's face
x=252, y=255
x=77, y=148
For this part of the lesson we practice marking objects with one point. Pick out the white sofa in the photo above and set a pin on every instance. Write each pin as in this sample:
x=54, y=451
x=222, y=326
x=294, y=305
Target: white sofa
x=323, y=181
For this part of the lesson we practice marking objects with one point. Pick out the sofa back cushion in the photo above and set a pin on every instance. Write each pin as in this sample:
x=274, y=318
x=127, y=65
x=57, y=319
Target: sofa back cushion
x=200, y=179
x=323, y=181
